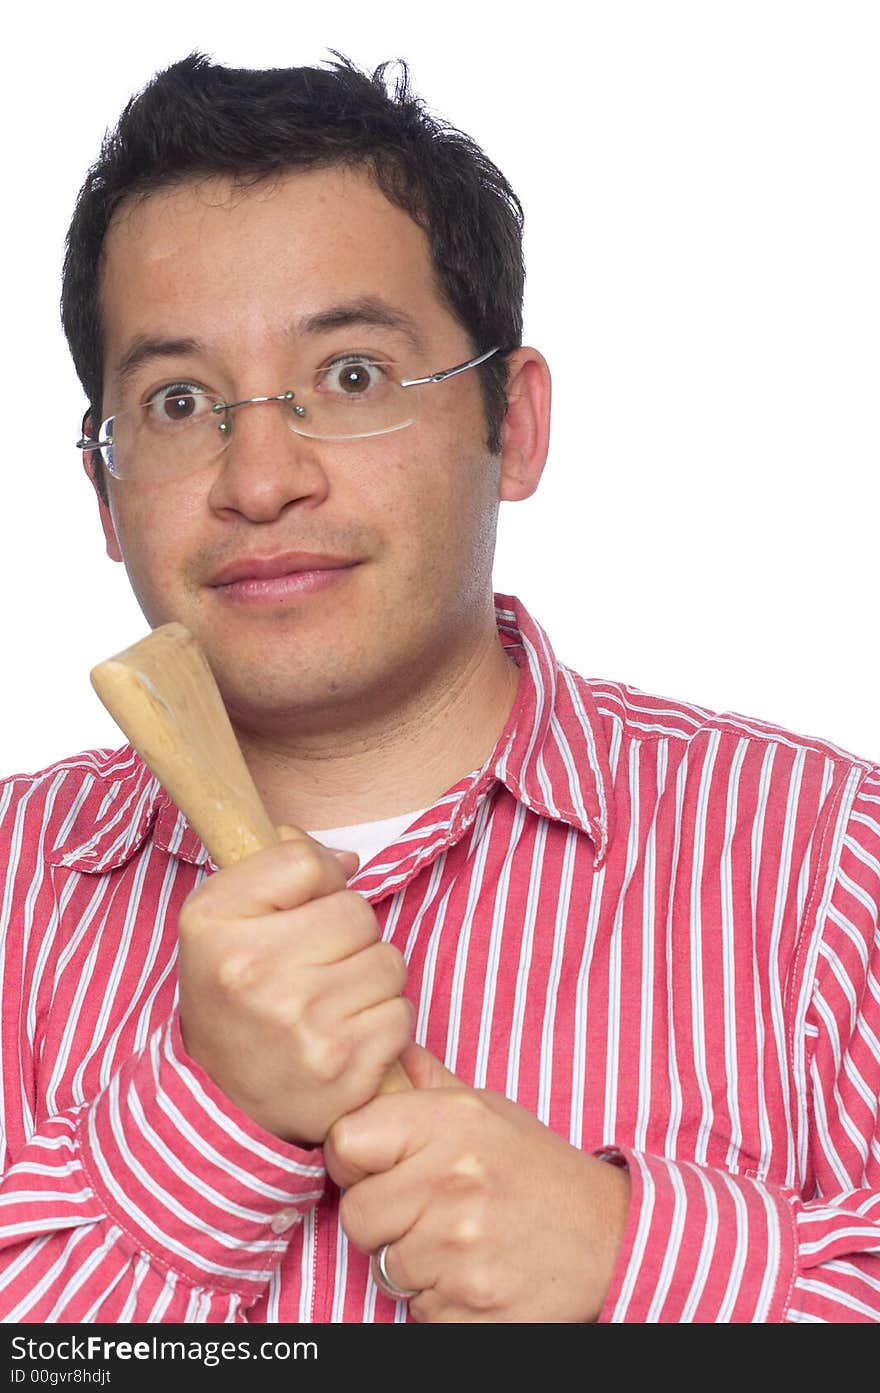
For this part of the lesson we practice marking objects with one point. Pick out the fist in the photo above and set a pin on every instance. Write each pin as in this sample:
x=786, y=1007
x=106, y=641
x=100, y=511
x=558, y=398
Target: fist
x=289, y=999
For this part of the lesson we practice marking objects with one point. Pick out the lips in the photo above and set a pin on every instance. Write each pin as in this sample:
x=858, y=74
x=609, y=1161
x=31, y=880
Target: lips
x=284, y=564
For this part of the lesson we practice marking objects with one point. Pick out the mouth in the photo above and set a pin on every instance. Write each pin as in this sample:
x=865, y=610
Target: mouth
x=271, y=578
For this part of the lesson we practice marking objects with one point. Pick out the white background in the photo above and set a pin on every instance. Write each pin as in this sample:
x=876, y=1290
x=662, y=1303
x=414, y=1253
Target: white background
x=700, y=180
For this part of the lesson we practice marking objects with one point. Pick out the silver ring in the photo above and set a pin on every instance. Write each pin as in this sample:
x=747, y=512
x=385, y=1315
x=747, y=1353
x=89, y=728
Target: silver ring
x=383, y=1281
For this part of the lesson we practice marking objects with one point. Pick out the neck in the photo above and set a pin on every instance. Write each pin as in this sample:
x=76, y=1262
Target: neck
x=383, y=764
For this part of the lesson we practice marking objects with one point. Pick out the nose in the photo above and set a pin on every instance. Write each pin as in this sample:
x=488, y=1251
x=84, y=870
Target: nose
x=265, y=467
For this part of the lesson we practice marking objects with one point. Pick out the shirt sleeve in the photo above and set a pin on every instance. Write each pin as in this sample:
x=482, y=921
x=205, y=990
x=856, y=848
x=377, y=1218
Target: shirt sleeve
x=710, y=1246
x=157, y=1201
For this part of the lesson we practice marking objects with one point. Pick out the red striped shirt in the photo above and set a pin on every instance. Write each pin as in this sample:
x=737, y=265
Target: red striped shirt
x=654, y=927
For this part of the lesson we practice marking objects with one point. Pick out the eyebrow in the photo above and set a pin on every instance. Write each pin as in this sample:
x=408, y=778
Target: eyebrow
x=370, y=310
x=143, y=347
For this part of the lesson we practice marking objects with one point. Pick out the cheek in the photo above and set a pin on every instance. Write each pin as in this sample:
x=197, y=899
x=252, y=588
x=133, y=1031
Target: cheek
x=420, y=519
x=156, y=532
x=439, y=493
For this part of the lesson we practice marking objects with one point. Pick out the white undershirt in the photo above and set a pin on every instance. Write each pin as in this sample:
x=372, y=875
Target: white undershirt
x=366, y=838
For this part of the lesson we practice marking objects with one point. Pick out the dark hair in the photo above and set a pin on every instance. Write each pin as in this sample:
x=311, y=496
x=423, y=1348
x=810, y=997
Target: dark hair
x=198, y=118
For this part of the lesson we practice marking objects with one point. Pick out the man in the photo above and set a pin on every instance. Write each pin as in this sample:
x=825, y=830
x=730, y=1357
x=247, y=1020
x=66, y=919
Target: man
x=625, y=949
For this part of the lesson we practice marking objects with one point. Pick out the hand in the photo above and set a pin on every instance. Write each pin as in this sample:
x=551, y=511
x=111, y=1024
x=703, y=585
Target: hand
x=288, y=997
x=490, y=1215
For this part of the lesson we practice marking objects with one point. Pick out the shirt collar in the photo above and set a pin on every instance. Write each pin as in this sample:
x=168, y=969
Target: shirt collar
x=121, y=806
x=552, y=756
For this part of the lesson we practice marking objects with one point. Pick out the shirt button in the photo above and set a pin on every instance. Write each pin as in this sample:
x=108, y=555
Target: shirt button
x=285, y=1219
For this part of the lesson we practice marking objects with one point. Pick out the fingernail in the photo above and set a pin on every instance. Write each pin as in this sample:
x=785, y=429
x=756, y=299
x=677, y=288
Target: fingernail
x=350, y=857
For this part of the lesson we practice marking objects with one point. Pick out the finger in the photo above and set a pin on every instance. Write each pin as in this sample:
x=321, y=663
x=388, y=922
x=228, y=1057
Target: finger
x=383, y=1208
x=349, y=860
x=397, y=1274
x=283, y=876
x=363, y=979
x=425, y=1070
x=449, y=1282
x=379, y=1135
x=288, y=833
x=331, y=929
x=377, y=1037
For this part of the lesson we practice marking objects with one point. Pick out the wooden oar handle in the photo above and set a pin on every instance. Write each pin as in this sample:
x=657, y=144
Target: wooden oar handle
x=162, y=694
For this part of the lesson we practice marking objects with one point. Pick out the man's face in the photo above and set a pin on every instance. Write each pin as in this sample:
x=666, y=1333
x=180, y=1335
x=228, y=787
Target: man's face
x=407, y=520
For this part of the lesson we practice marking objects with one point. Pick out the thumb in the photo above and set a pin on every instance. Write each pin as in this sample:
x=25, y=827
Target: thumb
x=348, y=860
x=288, y=833
x=425, y=1070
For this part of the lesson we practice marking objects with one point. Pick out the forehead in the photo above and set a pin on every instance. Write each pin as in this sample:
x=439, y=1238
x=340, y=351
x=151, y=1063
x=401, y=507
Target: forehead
x=209, y=257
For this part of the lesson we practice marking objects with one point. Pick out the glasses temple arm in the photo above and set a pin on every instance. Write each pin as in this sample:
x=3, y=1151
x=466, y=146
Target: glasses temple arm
x=449, y=372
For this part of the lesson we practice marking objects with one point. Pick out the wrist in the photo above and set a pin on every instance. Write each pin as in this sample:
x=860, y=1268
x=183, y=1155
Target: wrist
x=612, y=1193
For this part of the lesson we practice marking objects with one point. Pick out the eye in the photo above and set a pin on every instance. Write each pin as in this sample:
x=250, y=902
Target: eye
x=353, y=376
x=177, y=403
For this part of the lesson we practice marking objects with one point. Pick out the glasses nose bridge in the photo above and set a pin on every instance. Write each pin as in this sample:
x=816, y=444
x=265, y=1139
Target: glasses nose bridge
x=257, y=472
x=224, y=408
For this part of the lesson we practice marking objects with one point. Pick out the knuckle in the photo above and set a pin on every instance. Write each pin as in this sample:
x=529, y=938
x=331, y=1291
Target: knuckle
x=394, y=963
x=303, y=862
x=478, y=1287
x=195, y=916
x=402, y=1022
x=359, y=912
x=467, y=1231
x=473, y=1114
x=238, y=974
x=467, y=1116
x=338, y=1140
x=351, y=1208
x=324, y=1056
x=467, y=1171
x=469, y=1238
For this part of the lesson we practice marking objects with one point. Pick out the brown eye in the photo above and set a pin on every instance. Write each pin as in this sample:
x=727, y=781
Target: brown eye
x=354, y=377
x=177, y=404
x=178, y=408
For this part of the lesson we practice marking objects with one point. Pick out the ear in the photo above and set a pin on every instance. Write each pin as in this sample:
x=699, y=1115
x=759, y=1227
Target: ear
x=114, y=551
x=525, y=436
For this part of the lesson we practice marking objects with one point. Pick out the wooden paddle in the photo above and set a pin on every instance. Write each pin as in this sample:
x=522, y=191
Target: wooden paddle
x=162, y=694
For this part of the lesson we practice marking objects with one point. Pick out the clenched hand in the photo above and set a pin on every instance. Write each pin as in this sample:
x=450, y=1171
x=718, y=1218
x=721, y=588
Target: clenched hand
x=490, y=1215
x=288, y=998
